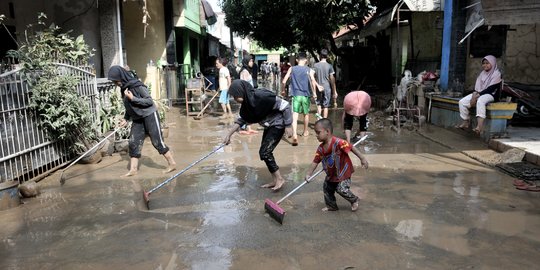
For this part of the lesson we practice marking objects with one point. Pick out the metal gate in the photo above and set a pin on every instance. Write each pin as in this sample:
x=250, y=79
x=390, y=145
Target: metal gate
x=26, y=152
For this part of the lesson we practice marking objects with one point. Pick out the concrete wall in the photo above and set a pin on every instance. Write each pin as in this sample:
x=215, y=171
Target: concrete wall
x=140, y=50
x=521, y=60
x=77, y=15
x=110, y=24
x=427, y=35
x=404, y=49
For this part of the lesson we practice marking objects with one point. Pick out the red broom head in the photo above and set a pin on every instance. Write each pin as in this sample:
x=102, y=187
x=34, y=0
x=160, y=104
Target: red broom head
x=274, y=210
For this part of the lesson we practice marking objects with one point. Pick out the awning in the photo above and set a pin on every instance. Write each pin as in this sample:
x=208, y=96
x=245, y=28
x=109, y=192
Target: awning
x=383, y=21
x=497, y=12
x=209, y=13
x=425, y=6
x=474, y=19
x=510, y=12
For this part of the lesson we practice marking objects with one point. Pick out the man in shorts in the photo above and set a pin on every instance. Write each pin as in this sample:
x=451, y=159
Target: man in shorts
x=324, y=75
x=302, y=87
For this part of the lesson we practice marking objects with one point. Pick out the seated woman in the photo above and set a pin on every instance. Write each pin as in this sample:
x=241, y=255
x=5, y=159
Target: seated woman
x=485, y=91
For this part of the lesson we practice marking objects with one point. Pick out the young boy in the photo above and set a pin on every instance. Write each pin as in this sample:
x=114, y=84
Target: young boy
x=334, y=154
x=302, y=87
x=224, y=83
x=325, y=77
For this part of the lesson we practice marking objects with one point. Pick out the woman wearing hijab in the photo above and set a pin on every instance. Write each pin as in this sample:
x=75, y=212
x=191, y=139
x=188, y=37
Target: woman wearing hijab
x=245, y=74
x=485, y=91
x=356, y=104
x=142, y=111
x=245, y=71
x=270, y=111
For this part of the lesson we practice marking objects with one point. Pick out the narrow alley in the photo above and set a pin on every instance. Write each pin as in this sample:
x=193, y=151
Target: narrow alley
x=422, y=206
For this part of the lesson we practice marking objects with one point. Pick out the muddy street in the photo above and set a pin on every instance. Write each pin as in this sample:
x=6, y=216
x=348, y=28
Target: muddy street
x=422, y=206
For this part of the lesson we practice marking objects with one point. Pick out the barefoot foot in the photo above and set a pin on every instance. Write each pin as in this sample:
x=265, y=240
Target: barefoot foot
x=170, y=169
x=269, y=185
x=278, y=186
x=130, y=173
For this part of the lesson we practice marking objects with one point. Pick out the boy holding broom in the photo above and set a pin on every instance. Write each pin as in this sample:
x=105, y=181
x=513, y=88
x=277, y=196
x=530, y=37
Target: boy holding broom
x=333, y=152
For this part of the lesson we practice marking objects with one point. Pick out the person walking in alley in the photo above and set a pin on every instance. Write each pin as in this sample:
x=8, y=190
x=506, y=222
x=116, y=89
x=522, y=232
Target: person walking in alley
x=245, y=74
x=485, y=91
x=141, y=110
x=224, y=82
x=255, y=72
x=302, y=86
x=284, y=68
x=270, y=111
x=324, y=75
x=333, y=152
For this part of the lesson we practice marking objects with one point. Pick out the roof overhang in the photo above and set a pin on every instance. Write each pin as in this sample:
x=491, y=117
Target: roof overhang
x=383, y=21
x=509, y=12
x=209, y=13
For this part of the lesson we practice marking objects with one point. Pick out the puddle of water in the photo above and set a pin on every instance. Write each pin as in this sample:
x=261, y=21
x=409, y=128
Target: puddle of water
x=447, y=237
x=209, y=257
x=410, y=229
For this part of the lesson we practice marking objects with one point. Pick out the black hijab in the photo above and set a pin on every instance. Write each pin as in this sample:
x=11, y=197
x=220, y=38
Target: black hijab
x=118, y=73
x=245, y=65
x=256, y=104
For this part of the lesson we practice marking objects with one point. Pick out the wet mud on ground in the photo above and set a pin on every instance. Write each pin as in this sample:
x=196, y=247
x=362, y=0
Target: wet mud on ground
x=423, y=206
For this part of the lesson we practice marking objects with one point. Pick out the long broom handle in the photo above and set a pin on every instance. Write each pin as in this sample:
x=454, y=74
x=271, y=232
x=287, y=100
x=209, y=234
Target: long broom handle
x=207, y=104
x=95, y=146
x=187, y=168
x=314, y=175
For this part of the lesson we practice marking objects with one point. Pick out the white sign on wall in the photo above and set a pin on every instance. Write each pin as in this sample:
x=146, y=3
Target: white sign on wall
x=425, y=5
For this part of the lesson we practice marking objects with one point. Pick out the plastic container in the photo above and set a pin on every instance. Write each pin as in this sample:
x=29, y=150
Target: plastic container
x=9, y=195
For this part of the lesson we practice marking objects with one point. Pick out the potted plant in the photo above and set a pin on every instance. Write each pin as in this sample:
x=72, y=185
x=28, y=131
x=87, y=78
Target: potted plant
x=110, y=115
x=162, y=108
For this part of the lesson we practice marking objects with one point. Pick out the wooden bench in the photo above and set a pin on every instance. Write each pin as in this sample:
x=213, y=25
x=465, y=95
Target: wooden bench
x=444, y=111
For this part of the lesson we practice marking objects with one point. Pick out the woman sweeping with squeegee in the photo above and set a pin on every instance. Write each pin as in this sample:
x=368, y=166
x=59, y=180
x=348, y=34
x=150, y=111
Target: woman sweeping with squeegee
x=270, y=111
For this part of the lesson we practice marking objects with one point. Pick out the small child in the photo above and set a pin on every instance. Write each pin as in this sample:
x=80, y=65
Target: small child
x=334, y=154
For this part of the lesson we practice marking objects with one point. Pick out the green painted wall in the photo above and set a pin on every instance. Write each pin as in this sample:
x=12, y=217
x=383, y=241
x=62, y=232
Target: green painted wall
x=256, y=49
x=190, y=15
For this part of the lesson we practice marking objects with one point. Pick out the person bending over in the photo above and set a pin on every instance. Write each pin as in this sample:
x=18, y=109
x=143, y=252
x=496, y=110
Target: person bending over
x=270, y=111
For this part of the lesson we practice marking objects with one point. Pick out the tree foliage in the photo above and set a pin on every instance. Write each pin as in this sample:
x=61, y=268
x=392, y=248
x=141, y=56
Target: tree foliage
x=284, y=23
